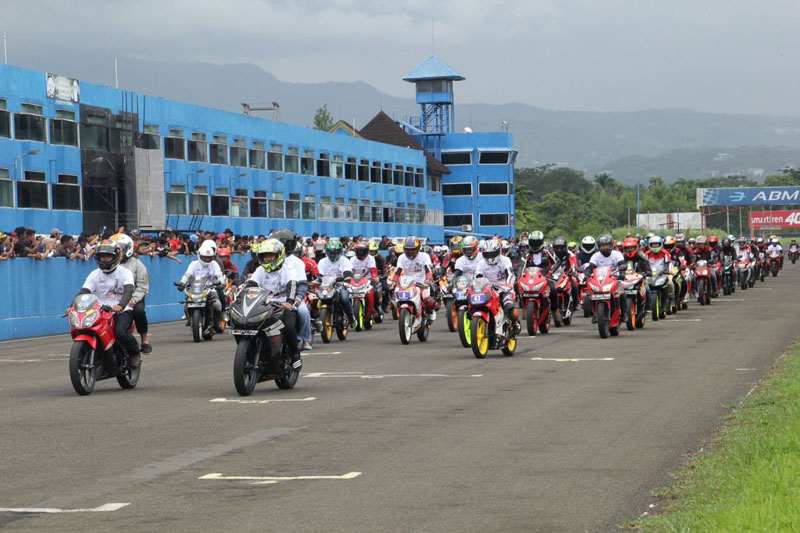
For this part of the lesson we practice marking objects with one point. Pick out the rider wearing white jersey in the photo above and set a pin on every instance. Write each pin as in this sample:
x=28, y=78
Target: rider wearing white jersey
x=417, y=266
x=468, y=262
x=497, y=269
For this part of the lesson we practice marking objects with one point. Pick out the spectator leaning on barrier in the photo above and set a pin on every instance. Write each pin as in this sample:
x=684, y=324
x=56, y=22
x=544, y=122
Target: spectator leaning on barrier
x=84, y=249
x=66, y=247
x=5, y=250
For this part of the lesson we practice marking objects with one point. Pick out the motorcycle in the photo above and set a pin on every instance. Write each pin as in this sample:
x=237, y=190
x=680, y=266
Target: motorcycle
x=411, y=312
x=728, y=275
x=331, y=313
x=95, y=354
x=583, y=292
x=362, y=295
x=793, y=253
x=534, y=291
x=562, y=315
x=758, y=268
x=261, y=354
x=198, y=310
x=460, y=305
x=659, y=292
x=686, y=285
x=604, y=290
x=743, y=273
x=635, y=302
x=702, y=275
x=490, y=328
x=445, y=282
x=774, y=262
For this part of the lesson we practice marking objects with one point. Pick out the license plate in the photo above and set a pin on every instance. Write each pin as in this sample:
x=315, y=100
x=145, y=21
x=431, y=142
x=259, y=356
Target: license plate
x=243, y=331
x=601, y=296
x=631, y=292
x=196, y=305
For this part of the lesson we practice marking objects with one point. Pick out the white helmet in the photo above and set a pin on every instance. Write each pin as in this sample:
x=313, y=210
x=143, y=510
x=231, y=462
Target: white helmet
x=207, y=251
x=126, y=245
x=491, y=251
x=210, y=243
x=589, y=245
x=505, y=247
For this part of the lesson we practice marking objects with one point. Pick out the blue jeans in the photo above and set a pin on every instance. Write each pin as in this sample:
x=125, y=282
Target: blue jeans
x=344, y=296
x=304, y=319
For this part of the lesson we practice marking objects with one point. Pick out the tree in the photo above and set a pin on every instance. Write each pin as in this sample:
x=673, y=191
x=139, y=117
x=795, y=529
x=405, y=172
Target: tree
x=323, y=119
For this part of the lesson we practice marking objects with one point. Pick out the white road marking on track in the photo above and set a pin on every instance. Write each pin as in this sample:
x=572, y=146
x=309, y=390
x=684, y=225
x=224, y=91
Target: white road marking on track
x=684, y=319
x=381, y=376
x=105, y=508
x=568, y=330
x=320, y=353
x=731, y=300
x=225, y=400
x=572, y=360
x=745, y=369
x=271, y=480
x=21, y=360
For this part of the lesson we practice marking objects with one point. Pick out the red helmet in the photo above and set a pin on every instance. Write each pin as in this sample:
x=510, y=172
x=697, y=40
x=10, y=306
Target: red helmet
x=630, y=247
x=713, y=241
x=224, y=253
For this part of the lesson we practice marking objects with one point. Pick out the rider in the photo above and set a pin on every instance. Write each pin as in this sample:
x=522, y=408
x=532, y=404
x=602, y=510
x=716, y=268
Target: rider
x=206, y=267
x=566, y=260
x=706, y=252
x=632, y=254
x=659, y=260
x=586, y=250
x=383, y=270
x=605, y=256
x=288, y=239
x=775, y=246
x=334, y=264
x=141, y=288
x=417, y=265
x=114, y=287
x=468, y=262
x=279, y=279
x=496, y=267
x=363, y=263
x=228, y=267
x=542, y=257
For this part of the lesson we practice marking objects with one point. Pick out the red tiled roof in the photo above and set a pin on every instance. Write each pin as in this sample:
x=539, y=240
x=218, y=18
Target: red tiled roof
x=385, y=130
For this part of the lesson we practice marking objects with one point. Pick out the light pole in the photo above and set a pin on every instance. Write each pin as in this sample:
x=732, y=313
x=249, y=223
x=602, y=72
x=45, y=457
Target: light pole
x=19, y=158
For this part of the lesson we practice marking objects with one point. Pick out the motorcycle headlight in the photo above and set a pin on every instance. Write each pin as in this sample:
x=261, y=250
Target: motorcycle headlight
x=89, y=320
x=595, y=288
x=524, y=287
x=608, y=286
x=73, y=320
x=538, y=286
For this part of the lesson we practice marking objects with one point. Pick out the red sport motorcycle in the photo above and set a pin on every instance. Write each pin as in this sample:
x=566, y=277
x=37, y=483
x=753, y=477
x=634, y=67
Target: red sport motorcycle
x=604, y=290
x=95, y=354
x=562, y=315
x=534, y=292
x=362, y=294
x=702, y=277
x=490, y=327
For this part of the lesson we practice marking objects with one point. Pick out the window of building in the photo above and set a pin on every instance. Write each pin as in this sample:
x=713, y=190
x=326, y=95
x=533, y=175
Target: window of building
x=174, y=145
x=363, y=170
x=434, y=86
x=375, y=172
x=32, y=192
x=388, y=212
x=276, y=206
x=197, y=148
x=337, y=167
x=275, y=161
x=339, y=209
x=94, y=133
x=324, y=165
x=456, y=158
x=176, y=200
x=258, y=204
x=494, y=219
x=434, y=181
x=364, y=211
x=292, y=161
x=149, y=139
x=456, y=221
x=220, y=203
x=420, y=213
x=258, y=155
x=325, y=208
x=409, y=177
x=293, y=206
x=352, y=209
x=307, y=163
x=198, y=200
x=239, y=153
x=377, y=211
x=5, y=119
x=98, y=199
x=457, y=189
x=399, y=212
x=493, y=188
x=419, y=178
x=63, y=128
x=6, y=189
x=240, y=203
x=386, y=174
x=398, y=175
x=350, y=169
x=29, y=125
x=494, y=158
x=66, y=193
x=218, y=154
x=309, y=207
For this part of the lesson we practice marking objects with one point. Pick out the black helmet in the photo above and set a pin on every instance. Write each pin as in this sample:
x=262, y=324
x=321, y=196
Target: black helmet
x=106, y=248
x=605, y=243
x=560, y=247
x=726, y=243
x=287, y=237
x=362, y=250
x=536, y=241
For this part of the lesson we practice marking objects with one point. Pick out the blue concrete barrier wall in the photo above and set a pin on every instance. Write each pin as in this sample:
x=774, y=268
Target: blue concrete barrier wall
x=35, y=293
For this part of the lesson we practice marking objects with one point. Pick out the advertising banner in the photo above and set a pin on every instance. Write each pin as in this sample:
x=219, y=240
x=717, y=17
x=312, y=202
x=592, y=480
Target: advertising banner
x=744, y=196
x=63, y=88
x=775, y=220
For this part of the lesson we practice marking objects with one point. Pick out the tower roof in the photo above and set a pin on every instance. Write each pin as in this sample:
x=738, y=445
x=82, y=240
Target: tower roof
x=433, y=68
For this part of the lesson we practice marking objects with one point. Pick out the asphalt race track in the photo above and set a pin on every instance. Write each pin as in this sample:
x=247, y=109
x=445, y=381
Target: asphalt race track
x=570, y=434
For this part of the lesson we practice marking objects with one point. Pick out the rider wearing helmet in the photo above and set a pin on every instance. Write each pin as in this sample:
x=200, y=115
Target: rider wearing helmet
x=206, y=267
x=669, y=244
x=335, y=264
x=586, y=250
x=380, y=264
x=281, y=280
x=496, y=267
x=468, y=262
x=363, y=263
x=605, y=256
x=704, y=251
x=288, y=238
x=141, y=287
x=638, y=258
x=228, y=267
x=713, y=243
x=743, y=249
x=417, y=265
x=319, y=249
x=775, y=246
x=539, y=256
x=566, y=260
x=682, y=250
x=114, y=287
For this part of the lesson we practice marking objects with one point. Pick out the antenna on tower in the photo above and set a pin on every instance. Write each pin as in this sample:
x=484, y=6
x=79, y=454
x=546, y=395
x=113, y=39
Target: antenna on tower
x=433, y=42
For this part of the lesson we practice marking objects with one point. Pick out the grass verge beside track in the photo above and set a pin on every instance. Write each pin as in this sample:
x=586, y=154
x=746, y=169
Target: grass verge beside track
x=750, y=479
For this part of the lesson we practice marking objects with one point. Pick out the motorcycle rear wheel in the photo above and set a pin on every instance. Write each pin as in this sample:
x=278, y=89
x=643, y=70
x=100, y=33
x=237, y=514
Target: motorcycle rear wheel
x=326, y=319
x=245, y=367
x=197, y=324
x=480, y=337
x=423, y=331
x=511, y=342
x=587, y=306
x=544, y=327
x=83, y=377
x=630, y=313
x=452, y=314
x=290, y=375
x=128, y=377
x=464, y=333
x=405, y=323
x=341, y=326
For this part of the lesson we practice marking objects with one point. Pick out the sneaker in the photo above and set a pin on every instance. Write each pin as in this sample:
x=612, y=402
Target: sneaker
x=307, y=346
x=594, y=319
x=433, y=315
x=134, y=360
x=297, y=362
x=209, y=331
x=353, y=322
x=146, y=348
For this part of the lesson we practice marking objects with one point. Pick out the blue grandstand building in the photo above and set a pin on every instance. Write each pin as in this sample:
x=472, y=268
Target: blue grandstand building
x=80, y=157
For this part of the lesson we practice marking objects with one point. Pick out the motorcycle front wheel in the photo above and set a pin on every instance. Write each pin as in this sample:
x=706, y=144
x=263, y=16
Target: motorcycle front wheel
x=358, y=311
x=603, y=320
x=82, y=373
x=480, y=337
x=530, y=318
x=405, y=324
x=197, y=324
x=452, y=314
x=245, y=367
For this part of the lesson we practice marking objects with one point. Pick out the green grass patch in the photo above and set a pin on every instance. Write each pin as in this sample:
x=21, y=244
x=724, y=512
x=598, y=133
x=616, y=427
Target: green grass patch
x=750, y=479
